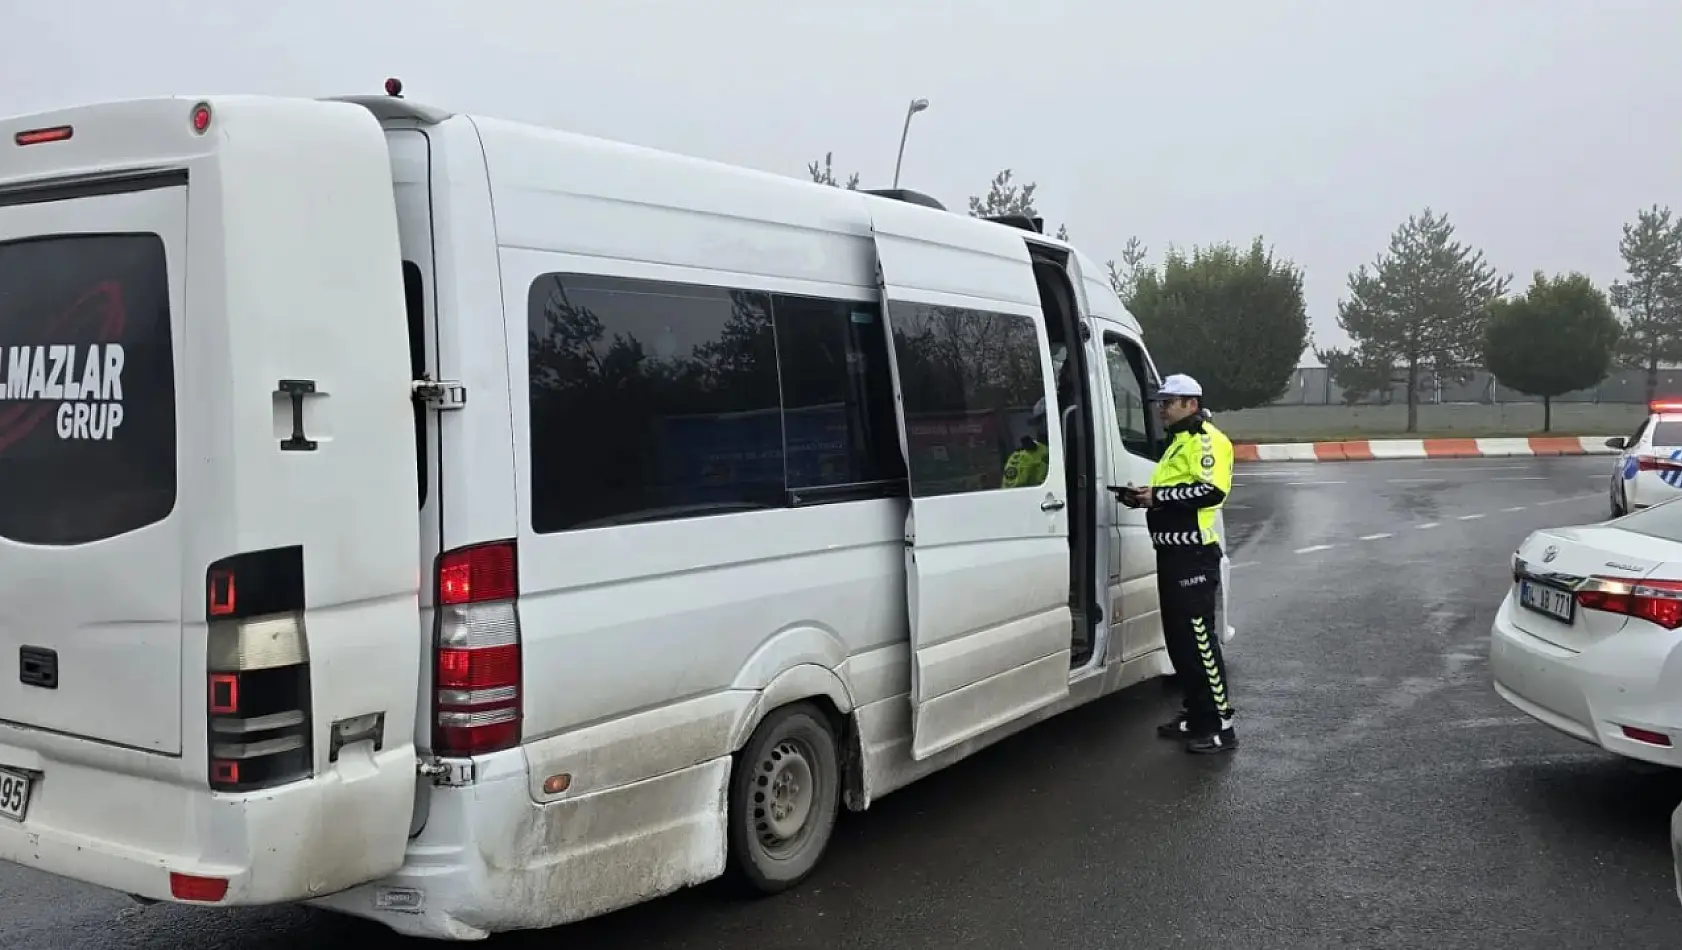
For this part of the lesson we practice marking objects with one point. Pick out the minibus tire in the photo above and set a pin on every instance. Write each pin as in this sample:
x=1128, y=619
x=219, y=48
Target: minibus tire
x=787, y=774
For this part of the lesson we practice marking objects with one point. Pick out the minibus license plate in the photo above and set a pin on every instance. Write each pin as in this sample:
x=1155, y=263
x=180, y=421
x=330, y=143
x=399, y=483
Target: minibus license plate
x=14, y=795
x=1552, y=601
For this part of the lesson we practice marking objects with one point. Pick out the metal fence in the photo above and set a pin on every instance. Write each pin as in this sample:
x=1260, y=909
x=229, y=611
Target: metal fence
x=1313, y=386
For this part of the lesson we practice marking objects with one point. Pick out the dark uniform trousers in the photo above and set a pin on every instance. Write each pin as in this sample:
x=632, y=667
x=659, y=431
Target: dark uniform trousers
x=1188, y=585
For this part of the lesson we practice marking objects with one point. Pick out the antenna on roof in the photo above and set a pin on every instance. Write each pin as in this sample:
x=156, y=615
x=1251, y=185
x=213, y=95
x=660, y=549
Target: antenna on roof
x=394, y=87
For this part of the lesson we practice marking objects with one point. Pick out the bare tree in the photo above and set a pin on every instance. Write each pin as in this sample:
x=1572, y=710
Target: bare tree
x=1124, y=277
x=824, y=174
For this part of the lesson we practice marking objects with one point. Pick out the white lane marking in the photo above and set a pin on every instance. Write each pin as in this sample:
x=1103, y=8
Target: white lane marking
x=1507, y=464
x=1382, y=535
x=1541, y=761
x=1498, y=478
x=1497, y=465
x=1493, y=722
x=1506, y=461
x=1316, y=483
x=1240, y=564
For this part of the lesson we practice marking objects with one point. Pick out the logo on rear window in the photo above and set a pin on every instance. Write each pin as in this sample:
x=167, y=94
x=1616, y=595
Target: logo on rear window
x=74, y=389
x=85, y=381
x=87, y=394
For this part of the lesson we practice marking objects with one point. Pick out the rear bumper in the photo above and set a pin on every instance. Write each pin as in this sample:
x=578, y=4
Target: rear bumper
x=491, y=859
x=1628, y=679
x=130, y=833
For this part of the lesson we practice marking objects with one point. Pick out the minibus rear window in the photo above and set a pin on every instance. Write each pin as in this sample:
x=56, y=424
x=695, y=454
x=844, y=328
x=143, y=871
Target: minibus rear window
x=87, y=388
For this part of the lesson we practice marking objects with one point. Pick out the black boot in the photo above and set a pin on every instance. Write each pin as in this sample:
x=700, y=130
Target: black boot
x=1213, y=744
x=1176, y=728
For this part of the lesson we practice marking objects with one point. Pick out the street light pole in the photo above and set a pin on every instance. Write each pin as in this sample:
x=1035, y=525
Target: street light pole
x=917, y=105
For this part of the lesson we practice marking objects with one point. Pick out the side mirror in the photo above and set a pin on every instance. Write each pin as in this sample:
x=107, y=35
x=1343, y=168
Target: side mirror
x=1615, y=442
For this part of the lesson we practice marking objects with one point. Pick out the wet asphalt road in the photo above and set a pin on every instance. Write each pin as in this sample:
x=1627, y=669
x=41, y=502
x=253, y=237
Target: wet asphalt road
x=1383, y=797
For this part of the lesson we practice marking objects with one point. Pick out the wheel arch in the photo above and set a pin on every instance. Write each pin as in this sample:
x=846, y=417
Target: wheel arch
x=827, y=690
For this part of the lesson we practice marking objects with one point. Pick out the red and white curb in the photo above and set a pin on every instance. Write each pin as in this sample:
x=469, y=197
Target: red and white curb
x=1369, y=449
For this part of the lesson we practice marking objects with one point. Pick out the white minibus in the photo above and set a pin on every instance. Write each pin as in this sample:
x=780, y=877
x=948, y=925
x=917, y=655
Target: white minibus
x=475, y=527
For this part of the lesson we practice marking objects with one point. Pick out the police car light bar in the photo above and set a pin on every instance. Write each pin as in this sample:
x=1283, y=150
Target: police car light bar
x=1665, y=405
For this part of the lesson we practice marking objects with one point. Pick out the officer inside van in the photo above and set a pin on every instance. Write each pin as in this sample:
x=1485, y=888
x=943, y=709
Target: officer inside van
x=1028, y=464
x=1182, y=505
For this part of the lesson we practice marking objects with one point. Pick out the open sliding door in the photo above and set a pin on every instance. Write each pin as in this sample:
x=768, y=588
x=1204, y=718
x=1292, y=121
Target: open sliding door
x=987, y=540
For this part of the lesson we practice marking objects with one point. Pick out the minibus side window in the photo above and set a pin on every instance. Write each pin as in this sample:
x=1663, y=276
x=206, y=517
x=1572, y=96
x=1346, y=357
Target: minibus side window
x=839, y=422
x=650, y=400
x=971, y=381
x=656, y=400
x=1127, y=388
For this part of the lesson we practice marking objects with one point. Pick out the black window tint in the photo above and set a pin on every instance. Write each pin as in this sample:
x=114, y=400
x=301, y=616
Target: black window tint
x=972, y=382
x=838, y=399
x=1667, y=435
x=87, y=388
x=414, y=297
x=650, y=401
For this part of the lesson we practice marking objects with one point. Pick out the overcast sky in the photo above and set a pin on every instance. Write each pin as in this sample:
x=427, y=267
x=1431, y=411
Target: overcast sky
x=1539, y=126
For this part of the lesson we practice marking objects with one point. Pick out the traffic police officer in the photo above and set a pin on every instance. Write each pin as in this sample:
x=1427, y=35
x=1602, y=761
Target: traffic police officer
x=1181, y=505
x=1027, y=465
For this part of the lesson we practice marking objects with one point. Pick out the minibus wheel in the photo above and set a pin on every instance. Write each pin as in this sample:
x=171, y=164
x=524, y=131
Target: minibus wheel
x=785, y=792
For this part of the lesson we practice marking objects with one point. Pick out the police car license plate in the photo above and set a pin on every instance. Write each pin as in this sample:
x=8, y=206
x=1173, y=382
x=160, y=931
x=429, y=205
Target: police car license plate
x=1551, y=601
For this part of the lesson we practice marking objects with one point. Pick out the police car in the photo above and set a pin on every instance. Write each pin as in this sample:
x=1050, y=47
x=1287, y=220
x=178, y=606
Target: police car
x=1649, y=470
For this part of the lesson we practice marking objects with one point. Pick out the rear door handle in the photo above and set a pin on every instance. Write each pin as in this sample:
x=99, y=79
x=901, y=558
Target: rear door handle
x=1052, y=503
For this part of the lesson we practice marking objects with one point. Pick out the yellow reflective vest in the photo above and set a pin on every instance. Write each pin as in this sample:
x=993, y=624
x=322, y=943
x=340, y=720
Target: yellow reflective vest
x=1027, y=467
x=1189, y=486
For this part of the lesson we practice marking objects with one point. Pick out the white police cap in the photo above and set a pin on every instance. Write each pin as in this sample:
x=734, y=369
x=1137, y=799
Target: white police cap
x=1179, y=386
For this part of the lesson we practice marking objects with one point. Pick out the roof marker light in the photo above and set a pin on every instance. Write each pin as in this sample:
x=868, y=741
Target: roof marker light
x=394, y=87
x=1665, y=405
x=201, y=118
